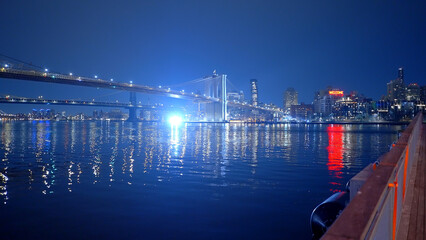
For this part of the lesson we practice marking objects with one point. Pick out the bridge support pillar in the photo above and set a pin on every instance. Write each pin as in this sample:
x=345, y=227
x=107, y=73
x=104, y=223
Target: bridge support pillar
x=132, y=110
x=217, y=111
x=224, y=102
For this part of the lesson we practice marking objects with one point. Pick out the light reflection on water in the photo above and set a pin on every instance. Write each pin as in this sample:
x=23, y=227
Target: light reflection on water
x=206, y=180
x=335, y=153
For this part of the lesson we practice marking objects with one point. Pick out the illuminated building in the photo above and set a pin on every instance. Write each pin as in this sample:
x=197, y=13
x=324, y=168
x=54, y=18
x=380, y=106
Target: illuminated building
x=317, y=99
x=401, y=73
x=302, y=111
x=290, y=98
x=395, y=88
x=254, y=90
x=116, y=114
x=413, y=92
x=324, y=101
x=345, y=108
x=235, y=96
x=423, y=94
x=404, y=101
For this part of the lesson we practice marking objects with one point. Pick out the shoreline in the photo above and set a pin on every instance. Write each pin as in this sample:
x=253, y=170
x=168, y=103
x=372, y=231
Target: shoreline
x=203, y=122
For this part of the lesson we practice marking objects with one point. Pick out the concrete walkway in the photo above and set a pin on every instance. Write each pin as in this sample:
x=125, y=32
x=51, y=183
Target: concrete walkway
x=391, y=203
x=413, y=222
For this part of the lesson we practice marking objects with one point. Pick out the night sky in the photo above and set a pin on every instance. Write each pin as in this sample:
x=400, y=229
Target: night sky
x=307, y=45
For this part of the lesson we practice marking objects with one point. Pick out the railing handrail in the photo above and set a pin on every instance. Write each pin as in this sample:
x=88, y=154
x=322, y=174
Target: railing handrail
x=382, y=195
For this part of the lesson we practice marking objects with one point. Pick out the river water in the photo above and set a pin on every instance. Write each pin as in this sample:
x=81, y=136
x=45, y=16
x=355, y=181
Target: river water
x=119, y=180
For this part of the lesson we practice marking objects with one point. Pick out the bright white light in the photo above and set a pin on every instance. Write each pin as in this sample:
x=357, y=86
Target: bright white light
x=159, y=86
x=6, y=65
x=70, y=74
x=131, y=82
x=96, y=76
x=175, y=120
x=112, y=80
x=46, y=70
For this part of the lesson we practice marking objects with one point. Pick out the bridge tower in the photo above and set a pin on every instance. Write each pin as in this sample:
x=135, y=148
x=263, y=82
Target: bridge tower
x=132, y=110
x=215, y=87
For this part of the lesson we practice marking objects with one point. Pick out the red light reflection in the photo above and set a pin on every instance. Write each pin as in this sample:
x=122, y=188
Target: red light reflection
x=335, y=153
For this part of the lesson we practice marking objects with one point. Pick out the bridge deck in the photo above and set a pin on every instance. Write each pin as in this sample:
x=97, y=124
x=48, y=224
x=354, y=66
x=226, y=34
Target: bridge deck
x=413, y=222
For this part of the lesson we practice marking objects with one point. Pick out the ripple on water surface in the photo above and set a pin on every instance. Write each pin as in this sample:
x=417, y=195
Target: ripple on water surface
x=137, y=180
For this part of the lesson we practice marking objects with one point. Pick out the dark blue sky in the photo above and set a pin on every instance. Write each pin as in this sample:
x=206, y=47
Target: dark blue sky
x=308, y=45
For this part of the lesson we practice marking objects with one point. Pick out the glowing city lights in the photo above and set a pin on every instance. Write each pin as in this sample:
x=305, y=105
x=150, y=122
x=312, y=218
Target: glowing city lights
x=336, y=93
x=175, y=120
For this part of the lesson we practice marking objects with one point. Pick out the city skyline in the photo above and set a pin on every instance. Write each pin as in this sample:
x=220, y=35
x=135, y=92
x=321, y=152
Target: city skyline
x=413, y=90
x=401, y=102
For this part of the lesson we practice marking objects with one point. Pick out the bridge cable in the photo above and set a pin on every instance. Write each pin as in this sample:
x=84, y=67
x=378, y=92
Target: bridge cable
x=20, y=61
x=232, y=85
x=197, y=80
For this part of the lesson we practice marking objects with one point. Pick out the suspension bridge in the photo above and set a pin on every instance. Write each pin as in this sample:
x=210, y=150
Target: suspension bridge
x=42, y=101
x=213, y=98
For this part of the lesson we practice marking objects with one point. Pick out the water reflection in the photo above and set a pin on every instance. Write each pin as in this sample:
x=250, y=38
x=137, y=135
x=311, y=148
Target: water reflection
x=3, y=187
x=58, y=156
x=208, y=172
x=335, y=154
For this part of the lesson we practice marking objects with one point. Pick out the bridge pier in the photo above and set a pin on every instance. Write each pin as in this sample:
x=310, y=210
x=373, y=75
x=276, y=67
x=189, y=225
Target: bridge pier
x=133, y=110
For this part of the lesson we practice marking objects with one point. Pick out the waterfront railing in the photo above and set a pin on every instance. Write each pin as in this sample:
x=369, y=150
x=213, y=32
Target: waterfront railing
x=375, y=212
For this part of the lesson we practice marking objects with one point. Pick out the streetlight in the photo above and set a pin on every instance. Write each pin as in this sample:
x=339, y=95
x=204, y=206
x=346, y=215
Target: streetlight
x=96, y=76
x=46, y=70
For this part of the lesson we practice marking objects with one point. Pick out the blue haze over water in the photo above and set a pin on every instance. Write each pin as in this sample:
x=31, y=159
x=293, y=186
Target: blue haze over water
x=119, y=180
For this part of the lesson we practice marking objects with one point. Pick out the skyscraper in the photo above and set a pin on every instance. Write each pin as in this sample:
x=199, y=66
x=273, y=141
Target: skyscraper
x=253, y=85
x=396, y=88
x=289, y=98
x=401, y=73
x=423, y=94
